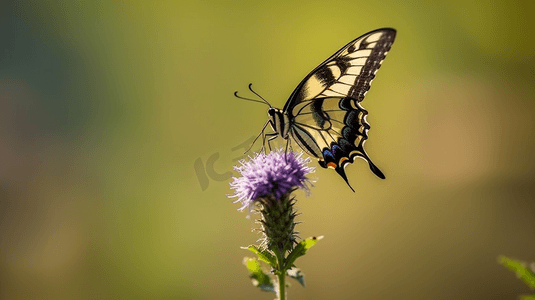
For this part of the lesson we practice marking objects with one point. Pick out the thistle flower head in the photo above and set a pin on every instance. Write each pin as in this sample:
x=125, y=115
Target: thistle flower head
x=268, y=180
x=274, y=174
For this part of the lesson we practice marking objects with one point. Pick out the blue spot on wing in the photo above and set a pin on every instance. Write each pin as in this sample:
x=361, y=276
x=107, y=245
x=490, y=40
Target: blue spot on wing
x=328, y=156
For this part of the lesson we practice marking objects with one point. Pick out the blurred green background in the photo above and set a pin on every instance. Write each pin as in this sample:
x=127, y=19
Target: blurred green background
x=118, y=130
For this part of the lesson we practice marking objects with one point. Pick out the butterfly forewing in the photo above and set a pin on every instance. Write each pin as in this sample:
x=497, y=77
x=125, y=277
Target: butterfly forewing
x=348, y=72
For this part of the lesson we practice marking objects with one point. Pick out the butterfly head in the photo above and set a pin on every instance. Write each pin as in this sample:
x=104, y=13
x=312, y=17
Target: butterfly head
x=273, y=117
x=275, y=114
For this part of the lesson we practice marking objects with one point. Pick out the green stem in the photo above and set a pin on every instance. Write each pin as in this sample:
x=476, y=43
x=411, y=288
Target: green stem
x=281, y=274
x=282, y=286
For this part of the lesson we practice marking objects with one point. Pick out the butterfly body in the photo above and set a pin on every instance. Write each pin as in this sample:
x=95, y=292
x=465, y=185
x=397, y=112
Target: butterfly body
x=280, y=122
x=323, y=114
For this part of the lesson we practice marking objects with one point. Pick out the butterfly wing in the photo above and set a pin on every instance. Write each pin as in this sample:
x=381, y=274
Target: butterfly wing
x=326, y=118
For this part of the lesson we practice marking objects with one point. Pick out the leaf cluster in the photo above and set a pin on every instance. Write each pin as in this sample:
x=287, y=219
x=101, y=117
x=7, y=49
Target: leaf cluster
x=278, y=266
x=527, y=274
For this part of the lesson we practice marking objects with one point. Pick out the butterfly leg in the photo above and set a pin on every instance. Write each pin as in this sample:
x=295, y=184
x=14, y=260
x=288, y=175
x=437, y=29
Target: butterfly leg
x=256, y=138
x=271, y=136
x=286, y=149
x=263, y=148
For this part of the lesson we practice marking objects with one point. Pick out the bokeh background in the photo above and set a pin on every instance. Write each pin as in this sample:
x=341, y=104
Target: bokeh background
x=118, y=133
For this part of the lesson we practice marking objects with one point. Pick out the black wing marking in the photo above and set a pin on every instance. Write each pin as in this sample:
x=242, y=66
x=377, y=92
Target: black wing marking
x=334, y=131
x=324, y=111
x=347, y=73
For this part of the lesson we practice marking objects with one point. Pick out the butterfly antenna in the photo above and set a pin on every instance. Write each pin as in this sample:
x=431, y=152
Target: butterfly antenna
x=251, y=89
x=248, y=99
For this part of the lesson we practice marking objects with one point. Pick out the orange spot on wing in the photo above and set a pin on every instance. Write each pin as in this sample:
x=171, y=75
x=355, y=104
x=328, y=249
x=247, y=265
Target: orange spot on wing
x=331, y=165
x=342, y=160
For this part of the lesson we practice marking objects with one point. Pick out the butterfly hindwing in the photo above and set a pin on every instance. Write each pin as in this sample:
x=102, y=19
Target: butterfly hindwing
x=324, y=111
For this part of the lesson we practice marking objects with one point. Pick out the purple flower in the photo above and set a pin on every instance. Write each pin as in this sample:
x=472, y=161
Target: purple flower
x=276, y=174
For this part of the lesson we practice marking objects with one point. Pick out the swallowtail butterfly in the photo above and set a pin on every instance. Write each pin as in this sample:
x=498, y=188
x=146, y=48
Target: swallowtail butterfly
x=323, y=114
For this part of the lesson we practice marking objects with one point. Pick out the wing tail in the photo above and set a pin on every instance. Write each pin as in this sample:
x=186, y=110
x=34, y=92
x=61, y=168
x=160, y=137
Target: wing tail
x=373, y=167
x=342, y=173
x=376, y=170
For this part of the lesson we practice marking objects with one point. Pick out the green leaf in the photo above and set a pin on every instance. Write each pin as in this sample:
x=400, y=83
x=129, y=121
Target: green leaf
x=258, y=277
x=520, y=268
x=263, y=255
x=300, y=250
x=527, y=297
x=296, y=274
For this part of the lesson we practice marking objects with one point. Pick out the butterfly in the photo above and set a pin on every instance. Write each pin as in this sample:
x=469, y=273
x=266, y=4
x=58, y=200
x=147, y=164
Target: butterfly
x=323, y=114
